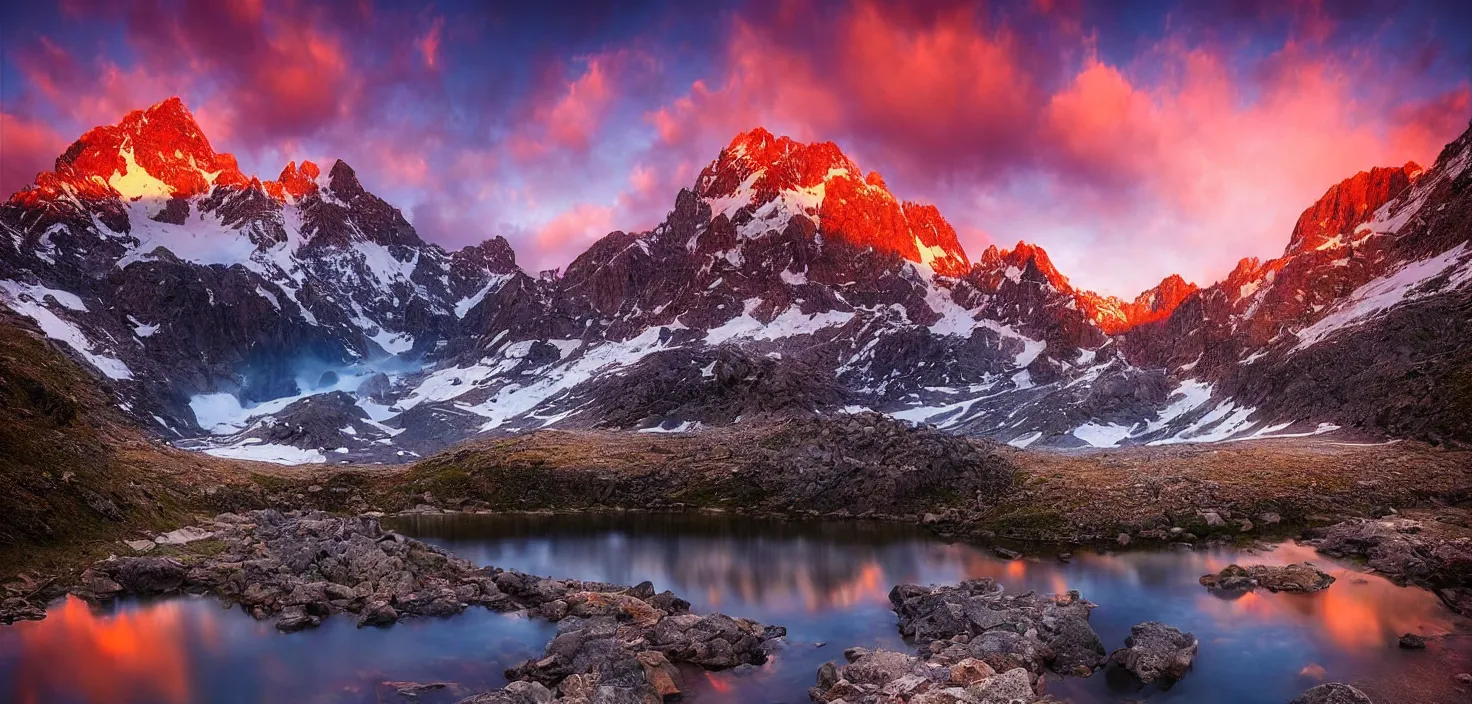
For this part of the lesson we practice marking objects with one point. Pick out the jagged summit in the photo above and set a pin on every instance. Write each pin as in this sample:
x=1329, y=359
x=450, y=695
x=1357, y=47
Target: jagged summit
x=1029, y=264
x=294, y=182
x=1349, y=203
x=760, y=181
x=1024, y=261
x=157, y=152
x=1115, y=315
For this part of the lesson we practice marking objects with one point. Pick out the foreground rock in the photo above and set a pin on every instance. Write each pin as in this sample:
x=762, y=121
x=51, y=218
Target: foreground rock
x=975, y=619
x=874, y=676
x=20, y=609
x=978, y=646
x=1154, y=651
x=623, y=647
x=1332, y=693
x=1434, y=554
x=1300, y=577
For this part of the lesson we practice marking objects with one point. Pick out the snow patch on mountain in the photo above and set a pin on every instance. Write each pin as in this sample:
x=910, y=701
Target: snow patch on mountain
x=1102, y=434
x=1445, y=272
x=256, y=450
x=34, y=302
x=791, y=322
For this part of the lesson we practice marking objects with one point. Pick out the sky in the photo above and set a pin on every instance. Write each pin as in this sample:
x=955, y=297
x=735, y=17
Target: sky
x=1131, y=140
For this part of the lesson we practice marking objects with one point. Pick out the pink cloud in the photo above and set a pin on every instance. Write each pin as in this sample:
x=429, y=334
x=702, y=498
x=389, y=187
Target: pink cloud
x=569, y=233
x=27, y=144
x=1181, y=158
x=1123, y=179
x=429, y=44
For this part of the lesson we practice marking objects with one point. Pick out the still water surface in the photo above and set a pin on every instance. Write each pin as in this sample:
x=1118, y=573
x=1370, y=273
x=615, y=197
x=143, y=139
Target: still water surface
x=827, y=583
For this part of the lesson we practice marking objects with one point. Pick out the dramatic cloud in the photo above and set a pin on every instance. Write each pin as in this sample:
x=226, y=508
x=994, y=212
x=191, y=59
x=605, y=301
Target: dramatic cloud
x=1131, y=142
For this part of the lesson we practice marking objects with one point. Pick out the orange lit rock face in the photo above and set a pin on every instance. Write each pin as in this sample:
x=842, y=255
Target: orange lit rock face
x=1116, y=316
x=164, y=141
x=1028, y=264
x=1348, y=204
x=758, y=168
x=294, y=183
x=161, y=144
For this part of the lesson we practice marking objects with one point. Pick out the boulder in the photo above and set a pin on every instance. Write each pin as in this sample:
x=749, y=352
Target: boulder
x=1009, y=687
x=1299, y=577
x=95, y=584
x=296, y=618
x=1332, y=693
x=377, y=612
x=970, y=671
x=146, y=575
x=1154, y=651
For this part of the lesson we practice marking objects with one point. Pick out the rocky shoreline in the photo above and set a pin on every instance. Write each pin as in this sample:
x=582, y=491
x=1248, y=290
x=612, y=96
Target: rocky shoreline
x=614, y=644
x=975, y=643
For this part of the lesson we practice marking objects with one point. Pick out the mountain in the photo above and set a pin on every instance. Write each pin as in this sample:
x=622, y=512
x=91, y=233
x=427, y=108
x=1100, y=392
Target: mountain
x=181, y=279
x=303, y=318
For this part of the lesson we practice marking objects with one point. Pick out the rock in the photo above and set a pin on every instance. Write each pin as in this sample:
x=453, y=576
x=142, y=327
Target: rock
x=977, y=620
x=20, y=609
x=1269, y=518
x=414, y=689
x=1411, y=641
x=94, y=583
x=140, y=546
x=1123, y=539
x=1213, y=519
x=970, y=671
x=1299, y=577
x=183, y=536
x=146, y=575
x=1154, y=651
x=377, y=612
x=296, y=618
x=1006, y=554
x=514, y=693
x=1332, y=693
x=1464, y=678
x=660, y=674
x=878, y=667
x=376, y=387
x=1007, y=688
x=1231, y=578
x=1245, y=526
x=1407, y=552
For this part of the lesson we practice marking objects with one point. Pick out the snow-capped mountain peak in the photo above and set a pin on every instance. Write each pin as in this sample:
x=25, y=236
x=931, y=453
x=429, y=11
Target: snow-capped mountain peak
x=759, y=182
x=159, y=152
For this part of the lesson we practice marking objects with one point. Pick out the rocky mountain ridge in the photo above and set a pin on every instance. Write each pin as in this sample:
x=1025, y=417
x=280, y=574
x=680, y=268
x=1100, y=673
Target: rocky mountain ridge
x=303, y=319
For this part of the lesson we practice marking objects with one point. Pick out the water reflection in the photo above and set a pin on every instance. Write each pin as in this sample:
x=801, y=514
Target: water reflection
x=191, y=650
x=828, y=583
x=141, y=652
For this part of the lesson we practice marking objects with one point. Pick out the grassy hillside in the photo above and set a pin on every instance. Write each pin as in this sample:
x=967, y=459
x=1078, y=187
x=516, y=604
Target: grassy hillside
x=75, y=473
